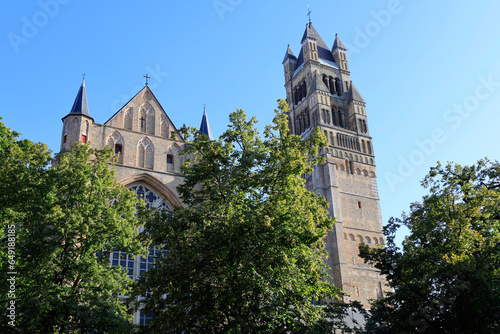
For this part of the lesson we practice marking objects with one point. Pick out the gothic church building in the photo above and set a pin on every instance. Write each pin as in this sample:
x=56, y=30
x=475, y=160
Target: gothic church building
x=320, y=93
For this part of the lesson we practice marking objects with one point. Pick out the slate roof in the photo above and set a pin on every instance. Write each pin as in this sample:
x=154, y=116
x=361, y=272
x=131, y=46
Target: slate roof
x=354, y=94
x=317, y=84
x=338, y=44
x=205, y=127
x=80, y=105
x=323, y=51
x=289, y=54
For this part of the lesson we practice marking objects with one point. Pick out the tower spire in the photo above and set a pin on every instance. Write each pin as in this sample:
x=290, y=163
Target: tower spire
x=205, y=127
x=80, y=105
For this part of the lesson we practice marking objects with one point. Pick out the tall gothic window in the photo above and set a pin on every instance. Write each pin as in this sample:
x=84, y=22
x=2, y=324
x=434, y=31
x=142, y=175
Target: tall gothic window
x=164, y=127
x=145, y=154
x=136, y=266
x=340, y=118
x=115, y=141
x=147, y=119
x=127, y=119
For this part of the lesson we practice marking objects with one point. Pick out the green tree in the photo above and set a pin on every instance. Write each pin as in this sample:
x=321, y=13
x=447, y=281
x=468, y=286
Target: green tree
x=245, y=255
x=446, y=277
x=66, y=221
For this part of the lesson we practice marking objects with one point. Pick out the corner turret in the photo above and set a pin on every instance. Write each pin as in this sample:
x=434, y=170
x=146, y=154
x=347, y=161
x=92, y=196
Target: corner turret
x=76, y=124
x=339, y=53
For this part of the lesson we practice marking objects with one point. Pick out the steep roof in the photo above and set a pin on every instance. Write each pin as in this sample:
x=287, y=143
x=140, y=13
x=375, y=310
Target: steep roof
x=338, y=44
x=205, y=127
x=317, y=84
x=323, y=51
x=289, y=54
x=80, y=106
x=354, y=94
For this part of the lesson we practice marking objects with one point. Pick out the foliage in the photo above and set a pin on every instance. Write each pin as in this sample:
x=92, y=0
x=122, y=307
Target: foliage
x=245, y=255
x=446, y=279
x=67, y=219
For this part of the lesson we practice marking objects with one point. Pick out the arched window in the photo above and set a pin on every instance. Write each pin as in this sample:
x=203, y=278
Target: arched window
x=65, y=132
x=170, y=163
x=332, y=86
x=151, y=197
x=164, y=127
x=368, y=240
x=147, y=119
x=115, y=141
x=127, y=119
x=145, y=154
x=334, y=117
x=352, y=237
x=173, y=162
x=341, y=118
x=85, y=132
x=326, y=135
x=369, y=147
x=363, y=147
x=338, y=86
x=331, y=139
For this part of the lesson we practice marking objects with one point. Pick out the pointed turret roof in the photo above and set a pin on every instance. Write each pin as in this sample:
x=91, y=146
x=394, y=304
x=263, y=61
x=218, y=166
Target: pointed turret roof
x=80, y=105
x=323, y=51
x=354, y=94
x=289, y=54
x=205, y=127
x=338, y=44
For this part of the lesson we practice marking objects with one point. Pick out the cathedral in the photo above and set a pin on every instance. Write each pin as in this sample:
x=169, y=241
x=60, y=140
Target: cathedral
x=320, y=93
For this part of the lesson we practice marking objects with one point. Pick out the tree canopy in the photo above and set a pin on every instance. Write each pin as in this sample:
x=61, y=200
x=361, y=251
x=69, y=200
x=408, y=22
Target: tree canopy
x=446, y=277
x=245, y=254
x=65, y=221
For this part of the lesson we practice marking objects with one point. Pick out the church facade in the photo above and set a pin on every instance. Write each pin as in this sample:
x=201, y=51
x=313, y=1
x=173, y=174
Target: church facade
x=149, y=160
x=320, y=93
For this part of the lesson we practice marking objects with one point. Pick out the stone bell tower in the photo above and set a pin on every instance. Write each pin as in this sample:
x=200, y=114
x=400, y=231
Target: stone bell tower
x=320, y=93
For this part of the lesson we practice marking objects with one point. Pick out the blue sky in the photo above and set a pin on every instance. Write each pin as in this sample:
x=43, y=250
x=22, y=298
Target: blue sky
x=428, y=70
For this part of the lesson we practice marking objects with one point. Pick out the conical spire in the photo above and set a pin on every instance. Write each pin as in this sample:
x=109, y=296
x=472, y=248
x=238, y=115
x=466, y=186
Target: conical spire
x=289, y=54
x=338, y=44
x=354, y=94
x=80, y=105
x=205, y=127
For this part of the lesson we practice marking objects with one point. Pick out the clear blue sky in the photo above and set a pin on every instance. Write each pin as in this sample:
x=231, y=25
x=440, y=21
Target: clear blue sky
x=428, y=70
